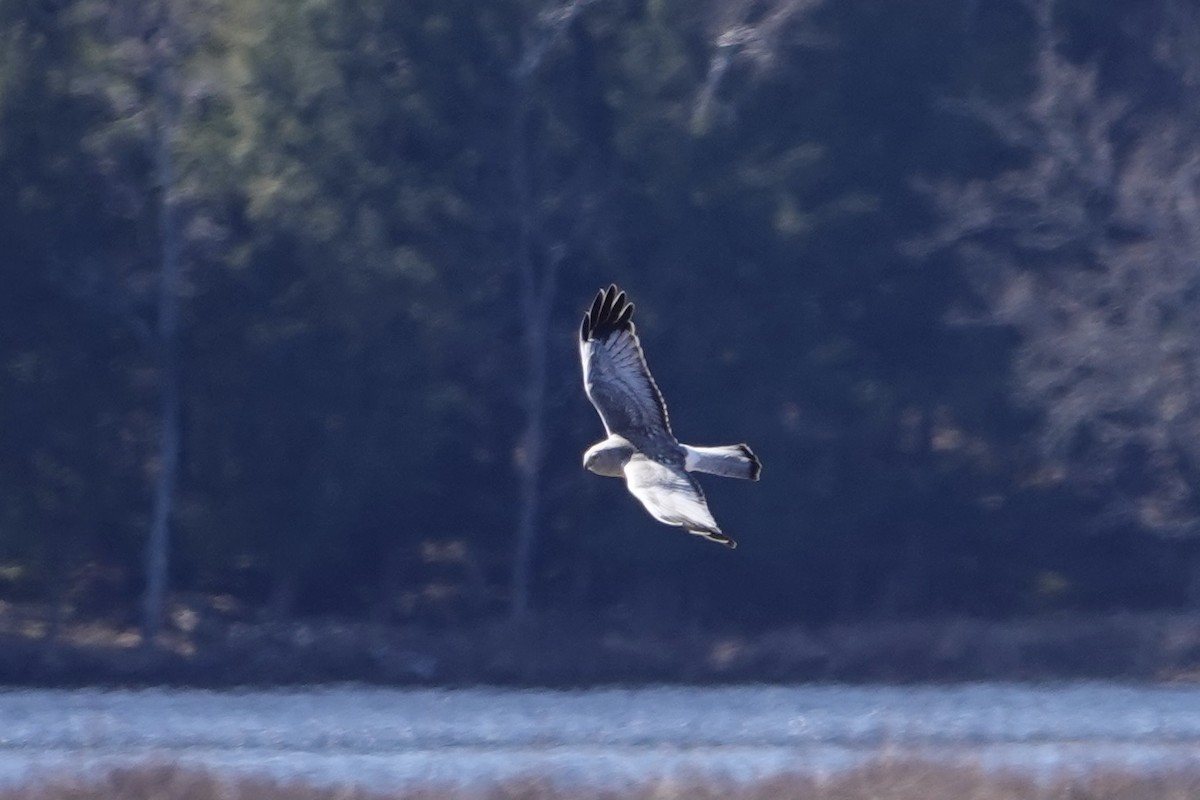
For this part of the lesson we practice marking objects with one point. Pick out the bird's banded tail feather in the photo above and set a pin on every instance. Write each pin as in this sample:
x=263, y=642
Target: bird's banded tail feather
x=729, y=461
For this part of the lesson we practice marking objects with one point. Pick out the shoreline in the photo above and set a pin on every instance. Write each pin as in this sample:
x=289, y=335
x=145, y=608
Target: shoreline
x=201, y=650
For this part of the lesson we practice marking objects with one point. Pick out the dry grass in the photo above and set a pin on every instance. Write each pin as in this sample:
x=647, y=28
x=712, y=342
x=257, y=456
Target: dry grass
x=883, y=780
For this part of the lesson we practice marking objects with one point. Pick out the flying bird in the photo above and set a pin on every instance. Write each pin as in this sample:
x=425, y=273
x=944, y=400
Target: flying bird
x=640, y=446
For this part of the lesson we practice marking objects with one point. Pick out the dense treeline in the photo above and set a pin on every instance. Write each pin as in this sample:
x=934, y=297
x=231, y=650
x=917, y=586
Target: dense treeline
x=289, y=295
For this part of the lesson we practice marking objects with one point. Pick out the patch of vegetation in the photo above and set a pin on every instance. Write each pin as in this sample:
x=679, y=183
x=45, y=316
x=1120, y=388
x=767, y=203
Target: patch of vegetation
x=568, y=650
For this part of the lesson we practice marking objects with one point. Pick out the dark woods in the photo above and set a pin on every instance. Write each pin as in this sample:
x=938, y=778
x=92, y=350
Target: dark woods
x=289, y=294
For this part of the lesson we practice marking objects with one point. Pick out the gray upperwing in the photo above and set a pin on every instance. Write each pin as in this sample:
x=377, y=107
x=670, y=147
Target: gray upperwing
x=615, y=375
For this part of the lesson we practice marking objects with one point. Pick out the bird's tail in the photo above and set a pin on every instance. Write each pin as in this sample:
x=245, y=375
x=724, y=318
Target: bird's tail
x=729, y=460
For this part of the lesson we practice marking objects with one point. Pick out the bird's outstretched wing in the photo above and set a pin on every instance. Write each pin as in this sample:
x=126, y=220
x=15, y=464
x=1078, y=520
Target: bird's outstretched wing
x=615, y=374
x=672, y=496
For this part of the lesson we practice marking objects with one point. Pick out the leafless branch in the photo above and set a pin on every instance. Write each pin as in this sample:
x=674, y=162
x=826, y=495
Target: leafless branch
x=1090, y=251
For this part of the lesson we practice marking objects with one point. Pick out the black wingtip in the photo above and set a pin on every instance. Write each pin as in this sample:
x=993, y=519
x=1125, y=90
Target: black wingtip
x=755, y=464
x=610, y=311
x=716, y=536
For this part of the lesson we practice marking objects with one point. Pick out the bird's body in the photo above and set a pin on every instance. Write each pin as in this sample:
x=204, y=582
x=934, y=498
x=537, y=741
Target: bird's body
x=640, y=446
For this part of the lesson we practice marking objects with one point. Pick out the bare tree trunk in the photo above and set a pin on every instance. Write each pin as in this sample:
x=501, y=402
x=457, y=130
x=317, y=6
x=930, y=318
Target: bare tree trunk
x=536, y=293
x=59, y=584
x=532, y=451
x=537, y=264
x=158, y=544
x=1191, y=557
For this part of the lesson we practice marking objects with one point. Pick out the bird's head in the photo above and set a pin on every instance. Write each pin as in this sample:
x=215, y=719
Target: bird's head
x=607, y=457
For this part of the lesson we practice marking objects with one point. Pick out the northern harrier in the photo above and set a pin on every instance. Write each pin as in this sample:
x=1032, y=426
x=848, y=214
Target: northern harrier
x=640, y=446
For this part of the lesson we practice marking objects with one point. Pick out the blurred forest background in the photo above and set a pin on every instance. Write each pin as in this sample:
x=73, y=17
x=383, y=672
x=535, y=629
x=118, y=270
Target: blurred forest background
x=289, y=293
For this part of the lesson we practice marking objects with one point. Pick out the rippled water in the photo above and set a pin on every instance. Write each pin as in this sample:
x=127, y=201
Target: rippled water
x=386, y=738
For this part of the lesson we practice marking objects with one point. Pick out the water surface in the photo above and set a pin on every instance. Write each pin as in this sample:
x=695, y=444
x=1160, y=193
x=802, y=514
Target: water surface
x=386, y=738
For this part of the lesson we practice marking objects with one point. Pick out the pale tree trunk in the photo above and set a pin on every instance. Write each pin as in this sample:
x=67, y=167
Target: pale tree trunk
x=1191, y=557
x=536, y=300
x=537, y=266
x=158, y=543
x=528, y=458
x=536, y=295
